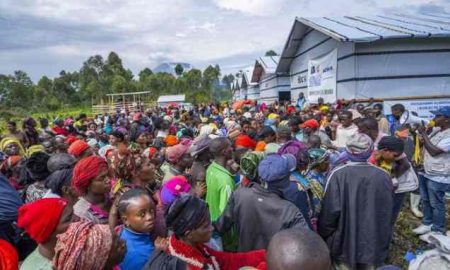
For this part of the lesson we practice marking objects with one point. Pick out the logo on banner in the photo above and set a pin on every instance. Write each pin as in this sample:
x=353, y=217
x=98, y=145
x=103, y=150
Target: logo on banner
x=322, y=78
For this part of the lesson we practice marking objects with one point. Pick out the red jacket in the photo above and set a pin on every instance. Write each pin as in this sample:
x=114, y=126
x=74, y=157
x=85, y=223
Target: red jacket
x=198, y=258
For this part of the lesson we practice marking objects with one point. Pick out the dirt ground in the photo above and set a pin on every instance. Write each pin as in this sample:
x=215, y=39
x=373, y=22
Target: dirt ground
x=404, y=240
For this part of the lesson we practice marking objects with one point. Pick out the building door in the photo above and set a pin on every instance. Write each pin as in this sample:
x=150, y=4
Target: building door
x=284, y=96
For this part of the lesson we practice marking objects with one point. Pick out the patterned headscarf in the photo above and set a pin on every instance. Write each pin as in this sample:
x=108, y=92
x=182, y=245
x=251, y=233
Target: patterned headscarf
x=83, y=246
x=250, y=162
x=298, y=149
x=316, y=156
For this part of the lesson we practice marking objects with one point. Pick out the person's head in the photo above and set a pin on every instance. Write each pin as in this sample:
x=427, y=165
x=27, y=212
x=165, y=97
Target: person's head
x=173, y=189
x=318, y=160
x=310, y=126
x=360, y=108
x=368, y=126
x=43, y=122
x=179, y=155
x=298, y=150
x=88, y=246
x=294, y=124
x=245, y=126
x=267, y=134
x=144, y=171
x=45, y=218
x=80, y=149
x=301, y=95
x=284, y=134
x=11, y=146
x=115, y=138
x=90, y=176
x=59, y=183
x=11, y=126
x=249, y=164
x=49, y=146
x=137, y=210
x=276, y=168
x=390, y=148
x=60, y=161
x=346, y=118
x=378, y=109
x=397, y=110
x=37, y=166
x=320, y=101
x=9, y=257
x=294, y=249
x=359, y=147
x=60, y=144
x=314, y=141
x=442, y=117
x=143, y=138
x=221, y=147
x=188, y=218
x=200, y=148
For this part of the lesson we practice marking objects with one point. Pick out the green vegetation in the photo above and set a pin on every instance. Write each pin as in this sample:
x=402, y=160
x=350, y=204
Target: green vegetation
x=96, y=78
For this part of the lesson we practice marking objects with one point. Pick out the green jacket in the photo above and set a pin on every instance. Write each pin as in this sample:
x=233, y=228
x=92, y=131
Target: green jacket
x=220, y=185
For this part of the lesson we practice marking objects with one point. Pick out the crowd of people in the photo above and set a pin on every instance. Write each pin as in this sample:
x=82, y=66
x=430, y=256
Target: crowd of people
x=220, y=186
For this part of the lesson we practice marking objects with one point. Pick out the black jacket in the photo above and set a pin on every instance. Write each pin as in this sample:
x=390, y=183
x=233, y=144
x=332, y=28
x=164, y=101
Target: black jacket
x=257, y=215
x=355, y=219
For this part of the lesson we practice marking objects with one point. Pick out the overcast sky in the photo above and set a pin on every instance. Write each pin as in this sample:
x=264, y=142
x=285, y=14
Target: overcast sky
x=42, y=37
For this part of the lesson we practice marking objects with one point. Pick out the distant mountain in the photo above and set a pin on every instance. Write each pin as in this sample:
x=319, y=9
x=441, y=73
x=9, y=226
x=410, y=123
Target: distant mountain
x=170, y=67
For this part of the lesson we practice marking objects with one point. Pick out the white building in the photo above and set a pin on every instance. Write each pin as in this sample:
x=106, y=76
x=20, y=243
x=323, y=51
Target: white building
x=272, y=86
x=392, y=57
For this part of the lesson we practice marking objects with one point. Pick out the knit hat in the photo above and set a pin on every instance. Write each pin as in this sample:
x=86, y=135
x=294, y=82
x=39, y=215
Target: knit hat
x=40, y=218
x=359, y=143
x=276, y=167
x=9, y=259
x=173, y=189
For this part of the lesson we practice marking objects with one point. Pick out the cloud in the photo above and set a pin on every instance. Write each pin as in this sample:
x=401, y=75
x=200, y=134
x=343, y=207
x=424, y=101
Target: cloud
x=42, y=37
x=253, y=7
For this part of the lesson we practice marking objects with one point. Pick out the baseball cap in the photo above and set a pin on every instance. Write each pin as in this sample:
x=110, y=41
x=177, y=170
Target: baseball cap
x=276, y=167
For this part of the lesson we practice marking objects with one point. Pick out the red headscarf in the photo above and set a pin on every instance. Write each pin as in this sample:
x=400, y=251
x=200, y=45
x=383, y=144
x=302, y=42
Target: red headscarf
x=245, y=141
x=85, y=171
x=77, y=148
x=70, y=139
x=9, y=260
x=40, y=218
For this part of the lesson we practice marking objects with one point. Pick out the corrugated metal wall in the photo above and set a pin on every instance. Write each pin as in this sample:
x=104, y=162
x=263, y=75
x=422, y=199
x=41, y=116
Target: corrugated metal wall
x=382, y=69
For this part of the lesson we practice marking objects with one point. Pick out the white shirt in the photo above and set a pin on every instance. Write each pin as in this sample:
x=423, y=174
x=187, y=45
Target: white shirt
x=343, y=134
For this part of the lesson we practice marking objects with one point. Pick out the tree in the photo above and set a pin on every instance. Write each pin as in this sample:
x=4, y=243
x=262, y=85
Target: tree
x=271, y=53
x=179, y=70
x=144, y=74
x=228, y=80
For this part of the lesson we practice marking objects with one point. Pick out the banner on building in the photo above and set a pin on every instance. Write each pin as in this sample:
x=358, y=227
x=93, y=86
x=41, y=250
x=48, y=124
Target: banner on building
x=421, y=106
x=322, y=78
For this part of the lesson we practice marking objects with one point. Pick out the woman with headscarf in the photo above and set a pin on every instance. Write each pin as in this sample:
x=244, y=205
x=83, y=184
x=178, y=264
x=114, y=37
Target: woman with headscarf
x=58, y=127
x=88, y=246
x=178, y=160
x=188, y=219
x=36, y=167
x=91, y=182
x=319, y=163
x=10, y=203
x=249, y=166
x=14, y=152
x=80, y=149
x=43, y=220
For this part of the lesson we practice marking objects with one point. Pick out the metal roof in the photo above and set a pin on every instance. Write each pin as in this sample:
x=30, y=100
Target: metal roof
x=264, y=64
x=359, y=29
x=171, y=98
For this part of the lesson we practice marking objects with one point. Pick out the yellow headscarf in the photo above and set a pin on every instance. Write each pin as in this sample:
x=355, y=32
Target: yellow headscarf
x=9, y=140
x=272, y=116
x=34, y=149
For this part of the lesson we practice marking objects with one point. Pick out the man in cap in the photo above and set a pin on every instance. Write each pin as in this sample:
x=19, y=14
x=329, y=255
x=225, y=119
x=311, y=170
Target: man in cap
x=435, y=181
x=356, y=214
x=263, y=205
x=311, y=127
